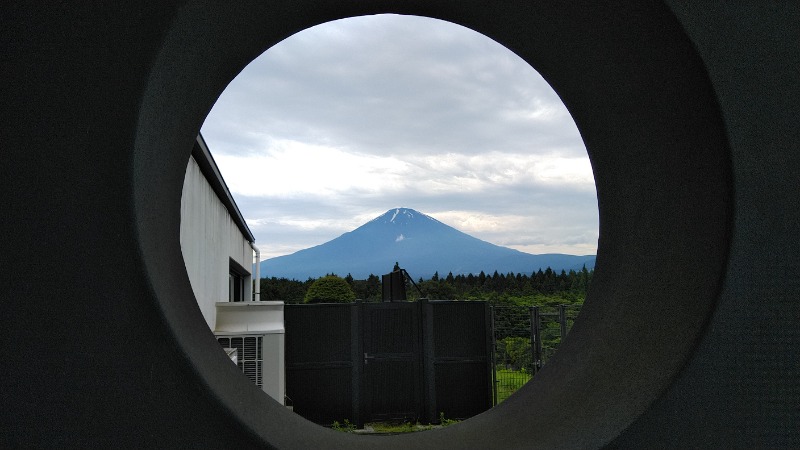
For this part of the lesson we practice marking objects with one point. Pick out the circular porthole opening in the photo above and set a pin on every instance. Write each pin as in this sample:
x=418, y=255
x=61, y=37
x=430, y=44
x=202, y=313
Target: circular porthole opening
x=318, y=139
x=661, y=172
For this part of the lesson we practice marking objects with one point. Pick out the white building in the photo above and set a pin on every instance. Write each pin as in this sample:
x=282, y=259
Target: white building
x=221, y=258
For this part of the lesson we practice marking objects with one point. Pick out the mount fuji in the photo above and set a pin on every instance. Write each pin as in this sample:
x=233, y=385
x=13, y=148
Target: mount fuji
x=421, y=244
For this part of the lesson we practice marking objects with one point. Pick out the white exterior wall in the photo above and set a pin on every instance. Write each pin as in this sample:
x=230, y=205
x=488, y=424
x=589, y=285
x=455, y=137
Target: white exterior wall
x=209, y=239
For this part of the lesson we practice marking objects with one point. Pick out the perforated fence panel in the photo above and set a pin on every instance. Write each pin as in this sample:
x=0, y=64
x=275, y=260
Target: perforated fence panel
x=461, y=361
x=322, y=362
x=384, y=361
x=391, y=383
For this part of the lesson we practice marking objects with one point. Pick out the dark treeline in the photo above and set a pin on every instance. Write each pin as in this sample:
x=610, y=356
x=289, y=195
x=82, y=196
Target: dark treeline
x=570, y=287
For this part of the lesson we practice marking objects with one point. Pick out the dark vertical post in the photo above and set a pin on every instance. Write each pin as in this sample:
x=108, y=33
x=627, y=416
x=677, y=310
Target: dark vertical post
x=428, y=361
x=562, y=319
x=493, y=355
x=536, y=342
x=393, y=286
x=356, y=356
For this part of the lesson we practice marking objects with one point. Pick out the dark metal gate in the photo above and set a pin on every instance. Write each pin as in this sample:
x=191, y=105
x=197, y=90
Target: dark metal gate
x=368, y=362
x=392, y=377
x=458, y=358
x=323, y=362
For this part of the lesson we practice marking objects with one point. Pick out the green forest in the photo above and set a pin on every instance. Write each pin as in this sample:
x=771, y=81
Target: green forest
x=540, y=288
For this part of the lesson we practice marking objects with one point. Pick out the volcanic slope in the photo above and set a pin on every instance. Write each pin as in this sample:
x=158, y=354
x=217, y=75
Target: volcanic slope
x=421, y=244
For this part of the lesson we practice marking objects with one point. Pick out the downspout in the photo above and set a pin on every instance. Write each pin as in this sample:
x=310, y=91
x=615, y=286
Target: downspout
x=257, y=272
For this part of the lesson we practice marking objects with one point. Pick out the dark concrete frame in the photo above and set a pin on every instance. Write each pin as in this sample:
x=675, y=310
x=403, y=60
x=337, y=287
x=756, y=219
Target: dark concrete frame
x=690, y=333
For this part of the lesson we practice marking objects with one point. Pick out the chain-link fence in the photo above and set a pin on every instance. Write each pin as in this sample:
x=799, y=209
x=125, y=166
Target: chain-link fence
x=524, y=338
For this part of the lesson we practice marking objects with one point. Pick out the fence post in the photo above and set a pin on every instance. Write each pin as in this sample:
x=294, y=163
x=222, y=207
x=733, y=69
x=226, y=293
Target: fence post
x=356, y=356
x=562, y=319
x=493, y=356
x=536, y=342
x=428, y=360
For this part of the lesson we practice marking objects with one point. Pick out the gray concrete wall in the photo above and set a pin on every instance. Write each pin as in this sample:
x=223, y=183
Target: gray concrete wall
x=689, y=112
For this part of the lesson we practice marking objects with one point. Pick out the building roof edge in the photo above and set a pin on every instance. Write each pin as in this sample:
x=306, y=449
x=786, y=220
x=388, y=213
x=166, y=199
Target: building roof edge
x=212, y=174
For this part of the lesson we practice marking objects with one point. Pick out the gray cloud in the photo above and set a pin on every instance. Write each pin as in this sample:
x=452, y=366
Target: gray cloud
x=459, y=115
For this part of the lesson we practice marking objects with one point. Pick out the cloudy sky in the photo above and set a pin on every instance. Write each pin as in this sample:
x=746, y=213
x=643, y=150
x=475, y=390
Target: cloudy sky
x=341, y=122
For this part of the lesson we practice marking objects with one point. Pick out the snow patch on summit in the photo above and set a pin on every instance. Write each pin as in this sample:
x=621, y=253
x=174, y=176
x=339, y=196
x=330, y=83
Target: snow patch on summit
x=409, y=213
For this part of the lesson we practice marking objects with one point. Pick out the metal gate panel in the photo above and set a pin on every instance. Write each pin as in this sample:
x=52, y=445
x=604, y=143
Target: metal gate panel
x=322, y=366
x=378, y=361
x=461, y=358
x=392, y=384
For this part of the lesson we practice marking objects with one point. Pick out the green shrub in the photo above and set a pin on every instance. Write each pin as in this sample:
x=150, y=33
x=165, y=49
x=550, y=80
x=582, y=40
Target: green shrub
x=329, y=289
x=346, y=427
x=445, y=422
x=515, y=353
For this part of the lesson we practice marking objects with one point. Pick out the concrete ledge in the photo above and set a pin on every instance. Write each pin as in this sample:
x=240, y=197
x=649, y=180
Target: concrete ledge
x=254, y=317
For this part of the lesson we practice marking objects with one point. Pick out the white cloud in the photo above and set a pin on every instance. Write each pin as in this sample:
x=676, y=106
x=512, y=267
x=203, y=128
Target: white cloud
x=291, y=169
x=337, y=124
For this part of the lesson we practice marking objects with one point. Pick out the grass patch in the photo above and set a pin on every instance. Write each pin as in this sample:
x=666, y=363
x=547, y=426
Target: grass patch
x=397, y=427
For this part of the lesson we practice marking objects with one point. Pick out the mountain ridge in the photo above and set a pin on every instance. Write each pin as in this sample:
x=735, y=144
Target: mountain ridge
x=420, y=243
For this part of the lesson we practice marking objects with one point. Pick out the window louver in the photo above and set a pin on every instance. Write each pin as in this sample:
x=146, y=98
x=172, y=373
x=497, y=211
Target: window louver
x=250, y=352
